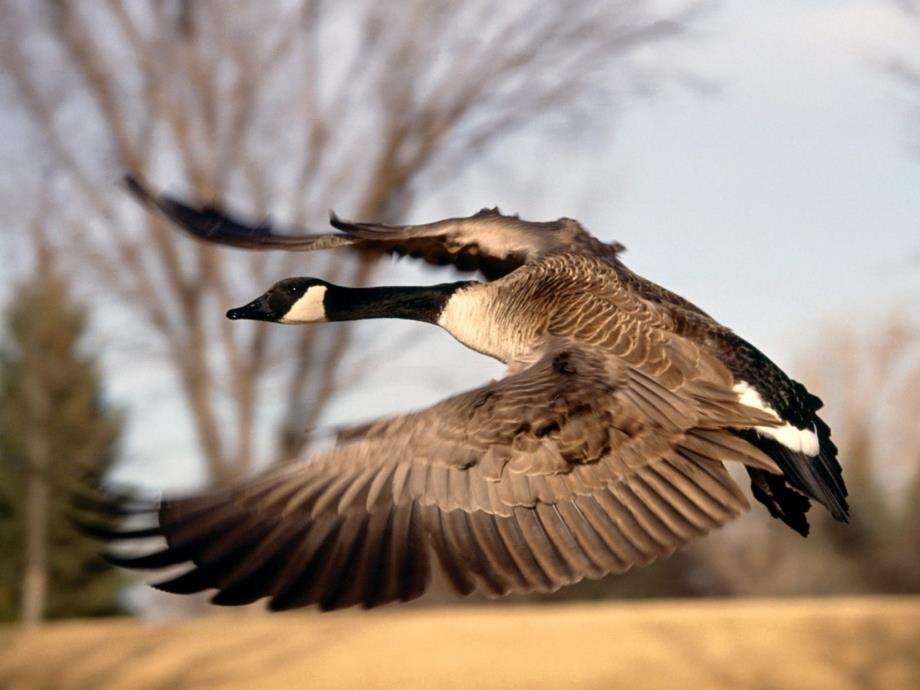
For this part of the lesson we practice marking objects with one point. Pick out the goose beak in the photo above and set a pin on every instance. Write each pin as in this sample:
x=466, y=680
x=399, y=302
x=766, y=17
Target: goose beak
x=257, y=310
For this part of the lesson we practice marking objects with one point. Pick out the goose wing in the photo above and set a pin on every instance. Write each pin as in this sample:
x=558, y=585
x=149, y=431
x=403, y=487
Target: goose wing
x=211, y=224
x=489, y=242
x=577, y=466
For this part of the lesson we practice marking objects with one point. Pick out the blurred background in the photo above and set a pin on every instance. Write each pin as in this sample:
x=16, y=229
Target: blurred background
x=761, y=159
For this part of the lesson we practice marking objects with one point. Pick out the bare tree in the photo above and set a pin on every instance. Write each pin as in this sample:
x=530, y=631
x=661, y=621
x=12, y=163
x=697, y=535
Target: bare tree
x=874, y=382
x=290, y=106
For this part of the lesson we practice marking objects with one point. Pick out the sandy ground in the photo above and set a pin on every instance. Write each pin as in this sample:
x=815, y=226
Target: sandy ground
x=827, y=643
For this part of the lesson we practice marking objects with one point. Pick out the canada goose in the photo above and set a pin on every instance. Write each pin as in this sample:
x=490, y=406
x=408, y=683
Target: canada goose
x=601, y=449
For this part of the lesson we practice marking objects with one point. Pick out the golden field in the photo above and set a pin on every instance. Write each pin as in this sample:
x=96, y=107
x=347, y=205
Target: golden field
x=801, y=643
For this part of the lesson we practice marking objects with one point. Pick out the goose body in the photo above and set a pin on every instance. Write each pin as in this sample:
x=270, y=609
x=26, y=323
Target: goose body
x=603, y=447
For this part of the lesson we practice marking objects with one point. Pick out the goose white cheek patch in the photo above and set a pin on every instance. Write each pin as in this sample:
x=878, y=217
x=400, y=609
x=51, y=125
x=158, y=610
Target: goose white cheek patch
x=800, y=440
x=309, y=308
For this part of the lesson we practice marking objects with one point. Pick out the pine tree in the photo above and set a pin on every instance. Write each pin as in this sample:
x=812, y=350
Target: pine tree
x=57, y=440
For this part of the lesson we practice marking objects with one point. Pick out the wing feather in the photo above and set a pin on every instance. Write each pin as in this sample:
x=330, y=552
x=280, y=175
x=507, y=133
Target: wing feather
x=541, y=505
x=488, y=241
x=453, y=545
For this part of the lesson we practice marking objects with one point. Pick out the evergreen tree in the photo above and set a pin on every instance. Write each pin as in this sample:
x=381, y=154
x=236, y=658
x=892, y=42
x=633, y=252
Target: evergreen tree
x=57, y=440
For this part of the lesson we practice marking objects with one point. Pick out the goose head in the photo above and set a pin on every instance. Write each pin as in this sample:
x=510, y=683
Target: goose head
x=292, y=300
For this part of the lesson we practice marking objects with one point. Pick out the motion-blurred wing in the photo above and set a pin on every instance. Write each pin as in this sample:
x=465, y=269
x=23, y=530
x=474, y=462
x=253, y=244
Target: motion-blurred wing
x=575, y=467
x=211, y=224
x=488, y=242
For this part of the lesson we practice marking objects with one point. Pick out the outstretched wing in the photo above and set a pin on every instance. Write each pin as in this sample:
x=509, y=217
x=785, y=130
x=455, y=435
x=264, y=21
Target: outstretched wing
x=489, y=242
x=575, y=467
x=211, y=224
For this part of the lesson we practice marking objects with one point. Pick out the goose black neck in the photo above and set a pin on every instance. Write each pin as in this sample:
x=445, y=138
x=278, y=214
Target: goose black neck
x=422, y=303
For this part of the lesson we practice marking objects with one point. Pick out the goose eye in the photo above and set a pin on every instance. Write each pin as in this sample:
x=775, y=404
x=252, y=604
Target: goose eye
x=293, y=290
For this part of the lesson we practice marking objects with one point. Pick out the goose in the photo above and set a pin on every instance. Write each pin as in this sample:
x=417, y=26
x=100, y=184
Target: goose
x=604, y=447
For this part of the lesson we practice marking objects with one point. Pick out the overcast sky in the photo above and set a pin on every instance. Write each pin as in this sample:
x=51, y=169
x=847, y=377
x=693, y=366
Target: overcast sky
x=791, y=197
x=783, y=198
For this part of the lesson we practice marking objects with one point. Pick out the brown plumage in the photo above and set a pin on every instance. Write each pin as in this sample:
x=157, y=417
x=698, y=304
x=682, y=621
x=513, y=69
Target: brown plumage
x=488, y=242
x=603, y=447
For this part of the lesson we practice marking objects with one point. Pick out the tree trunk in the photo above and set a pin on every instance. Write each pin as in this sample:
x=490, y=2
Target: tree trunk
x=35, y=562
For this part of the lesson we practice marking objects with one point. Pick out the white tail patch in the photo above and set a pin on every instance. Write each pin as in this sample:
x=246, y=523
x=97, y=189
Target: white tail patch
x=800, y=440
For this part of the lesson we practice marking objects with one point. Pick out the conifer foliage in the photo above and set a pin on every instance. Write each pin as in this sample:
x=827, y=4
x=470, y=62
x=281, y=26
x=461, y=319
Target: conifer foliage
x=57, y=440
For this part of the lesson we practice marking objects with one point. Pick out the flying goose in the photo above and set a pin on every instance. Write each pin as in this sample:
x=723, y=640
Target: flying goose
x=603, y=448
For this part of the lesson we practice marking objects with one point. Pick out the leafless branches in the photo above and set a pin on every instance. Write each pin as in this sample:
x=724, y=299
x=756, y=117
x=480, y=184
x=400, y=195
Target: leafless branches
x=293, y=107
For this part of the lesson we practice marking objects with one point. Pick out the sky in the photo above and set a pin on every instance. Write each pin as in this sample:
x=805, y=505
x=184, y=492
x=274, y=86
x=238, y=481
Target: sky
x=782, y=196
x=791, y=197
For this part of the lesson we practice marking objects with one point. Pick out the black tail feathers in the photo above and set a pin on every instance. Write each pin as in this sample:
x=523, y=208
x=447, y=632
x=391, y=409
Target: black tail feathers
x=783, y=503
x=817, y=477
